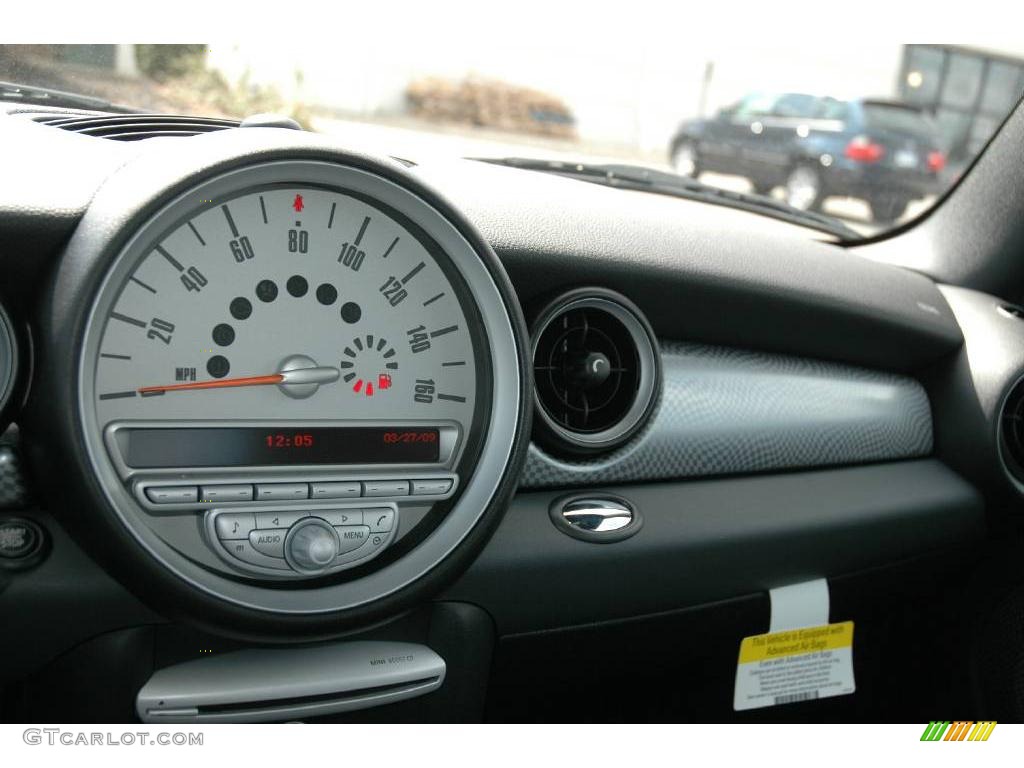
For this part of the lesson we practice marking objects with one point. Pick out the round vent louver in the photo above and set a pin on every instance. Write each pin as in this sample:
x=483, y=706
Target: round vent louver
x=596, y=371
x=1011, y=432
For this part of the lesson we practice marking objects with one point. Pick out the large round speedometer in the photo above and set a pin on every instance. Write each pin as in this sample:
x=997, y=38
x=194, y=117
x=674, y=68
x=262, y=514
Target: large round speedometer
x=292, y=301
x=299, y=382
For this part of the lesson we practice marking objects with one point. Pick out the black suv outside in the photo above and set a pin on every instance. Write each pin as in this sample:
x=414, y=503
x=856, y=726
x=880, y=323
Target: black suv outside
x=883, y=152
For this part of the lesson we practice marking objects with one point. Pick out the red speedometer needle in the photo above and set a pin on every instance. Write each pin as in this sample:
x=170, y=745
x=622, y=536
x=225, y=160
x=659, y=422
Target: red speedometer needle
x=313, y=375
x=241, y=381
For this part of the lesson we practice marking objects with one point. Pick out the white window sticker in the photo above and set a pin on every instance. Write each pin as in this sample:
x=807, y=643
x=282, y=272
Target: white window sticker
x=795, y=665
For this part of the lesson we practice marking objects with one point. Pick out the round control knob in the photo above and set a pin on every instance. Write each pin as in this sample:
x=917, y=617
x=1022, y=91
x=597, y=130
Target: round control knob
x=591, y=369
x=311, y=545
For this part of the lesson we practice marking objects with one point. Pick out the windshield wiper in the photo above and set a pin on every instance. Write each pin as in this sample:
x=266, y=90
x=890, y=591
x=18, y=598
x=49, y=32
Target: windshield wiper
x=666, y=183
x=37, y=95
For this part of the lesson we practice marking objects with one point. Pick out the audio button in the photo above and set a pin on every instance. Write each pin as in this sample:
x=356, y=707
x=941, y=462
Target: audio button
x=269, y=542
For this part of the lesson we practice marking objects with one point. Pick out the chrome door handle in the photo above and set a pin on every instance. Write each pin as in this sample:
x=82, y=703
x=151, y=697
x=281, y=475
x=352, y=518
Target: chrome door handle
x=597, y=514
x=595, y=518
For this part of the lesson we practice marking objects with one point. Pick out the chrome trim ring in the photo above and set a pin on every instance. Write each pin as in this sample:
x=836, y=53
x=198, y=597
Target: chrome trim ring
x=8, y=360
x=497, y=445
x=648, y=357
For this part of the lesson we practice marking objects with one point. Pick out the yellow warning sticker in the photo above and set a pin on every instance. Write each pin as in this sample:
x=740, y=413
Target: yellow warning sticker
x=795, y=641
x=795, y=665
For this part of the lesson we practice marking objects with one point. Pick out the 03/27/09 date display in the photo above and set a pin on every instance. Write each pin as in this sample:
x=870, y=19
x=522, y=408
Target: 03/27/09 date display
x=259, y=446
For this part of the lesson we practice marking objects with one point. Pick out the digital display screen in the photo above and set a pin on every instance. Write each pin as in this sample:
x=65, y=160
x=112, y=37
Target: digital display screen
x=160, y=448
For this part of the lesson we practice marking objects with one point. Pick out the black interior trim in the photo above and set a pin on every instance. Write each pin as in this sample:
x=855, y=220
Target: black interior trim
x=716, y=539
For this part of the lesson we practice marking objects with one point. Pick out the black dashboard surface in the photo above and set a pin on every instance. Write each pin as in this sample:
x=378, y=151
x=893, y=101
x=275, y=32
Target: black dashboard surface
x=700, y=272
x=712, y=540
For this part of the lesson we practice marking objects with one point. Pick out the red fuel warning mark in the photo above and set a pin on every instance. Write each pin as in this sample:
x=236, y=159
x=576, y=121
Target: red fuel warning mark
x=298, y=205
x=368, y=389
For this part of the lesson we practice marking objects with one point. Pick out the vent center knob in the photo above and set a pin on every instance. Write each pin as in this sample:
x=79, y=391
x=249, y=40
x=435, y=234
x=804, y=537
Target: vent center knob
x=591, y=370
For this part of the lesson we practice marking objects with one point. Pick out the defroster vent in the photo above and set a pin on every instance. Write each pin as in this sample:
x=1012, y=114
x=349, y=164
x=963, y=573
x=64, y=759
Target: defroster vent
x=133, y=127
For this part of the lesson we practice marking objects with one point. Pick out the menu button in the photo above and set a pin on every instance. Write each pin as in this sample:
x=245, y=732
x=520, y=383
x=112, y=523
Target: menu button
x=352, y=537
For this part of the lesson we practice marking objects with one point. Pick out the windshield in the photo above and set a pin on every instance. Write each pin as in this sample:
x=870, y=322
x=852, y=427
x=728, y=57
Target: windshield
x=868, y=136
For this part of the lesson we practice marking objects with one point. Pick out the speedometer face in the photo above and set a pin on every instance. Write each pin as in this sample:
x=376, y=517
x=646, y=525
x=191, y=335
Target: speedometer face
x=288, y=303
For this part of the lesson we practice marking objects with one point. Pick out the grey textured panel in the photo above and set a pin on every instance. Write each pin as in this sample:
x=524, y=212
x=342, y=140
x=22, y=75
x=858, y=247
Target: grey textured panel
x=726, y=411
x=13, y=490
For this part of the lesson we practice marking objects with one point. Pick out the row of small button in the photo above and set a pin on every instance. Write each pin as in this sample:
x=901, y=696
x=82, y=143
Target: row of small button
x=218, y=494
x=237, y=525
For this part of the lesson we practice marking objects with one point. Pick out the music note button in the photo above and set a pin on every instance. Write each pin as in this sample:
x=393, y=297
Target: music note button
x=234, y=525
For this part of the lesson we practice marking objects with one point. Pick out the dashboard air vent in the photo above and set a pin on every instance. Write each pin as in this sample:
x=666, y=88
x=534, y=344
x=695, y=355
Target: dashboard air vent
x=134, y=127
x=1011, y=432
x=596, y=371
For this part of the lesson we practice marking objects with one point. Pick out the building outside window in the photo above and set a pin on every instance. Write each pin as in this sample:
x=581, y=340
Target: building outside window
x=968, y=91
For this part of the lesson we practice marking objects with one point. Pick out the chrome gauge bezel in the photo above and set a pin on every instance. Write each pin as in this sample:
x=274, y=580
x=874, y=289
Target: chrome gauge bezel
x=8, y=362
x=497, y=444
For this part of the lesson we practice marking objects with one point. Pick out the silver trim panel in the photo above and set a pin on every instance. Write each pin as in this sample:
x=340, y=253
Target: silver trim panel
x=266, y=685
x=727, y=411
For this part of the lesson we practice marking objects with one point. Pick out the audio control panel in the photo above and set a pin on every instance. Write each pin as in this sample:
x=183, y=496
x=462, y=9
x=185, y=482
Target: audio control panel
x=289, y=543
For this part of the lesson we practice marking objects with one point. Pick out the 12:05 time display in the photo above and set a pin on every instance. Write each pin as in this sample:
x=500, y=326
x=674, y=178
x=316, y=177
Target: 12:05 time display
x=295, y=440
x=305, y=439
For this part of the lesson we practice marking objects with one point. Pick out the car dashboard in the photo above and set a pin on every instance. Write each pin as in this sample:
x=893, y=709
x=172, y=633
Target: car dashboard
x=269, y=394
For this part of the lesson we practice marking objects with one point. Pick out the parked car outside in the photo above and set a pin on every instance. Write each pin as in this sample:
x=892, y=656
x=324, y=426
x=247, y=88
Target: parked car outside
x=884, y=152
